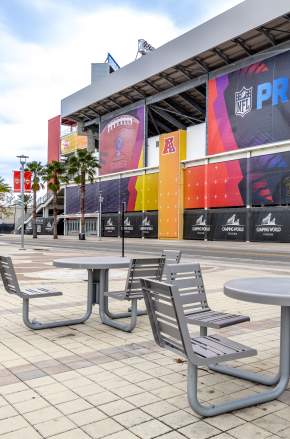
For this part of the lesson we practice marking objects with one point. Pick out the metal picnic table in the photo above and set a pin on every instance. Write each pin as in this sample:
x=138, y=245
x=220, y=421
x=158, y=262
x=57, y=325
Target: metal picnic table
x=98, y=275
x=266, y=291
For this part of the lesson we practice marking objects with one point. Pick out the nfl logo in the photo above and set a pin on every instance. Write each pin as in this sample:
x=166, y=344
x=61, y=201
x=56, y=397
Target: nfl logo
x=243, y=101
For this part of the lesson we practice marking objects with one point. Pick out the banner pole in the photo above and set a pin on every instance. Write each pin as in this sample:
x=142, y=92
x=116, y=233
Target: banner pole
x=22, y=159
x=123, y=228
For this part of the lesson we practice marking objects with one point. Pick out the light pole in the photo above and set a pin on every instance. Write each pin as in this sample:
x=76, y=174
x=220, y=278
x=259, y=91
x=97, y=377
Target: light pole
x=22, y=158
x=101, y=199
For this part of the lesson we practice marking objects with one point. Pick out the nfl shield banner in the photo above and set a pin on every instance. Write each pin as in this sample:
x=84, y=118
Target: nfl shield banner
x=250, y=106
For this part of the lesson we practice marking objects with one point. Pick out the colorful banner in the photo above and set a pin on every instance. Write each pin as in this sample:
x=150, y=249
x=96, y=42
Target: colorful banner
x=122, y=142
x=17, y=181
x=138, y=192
x=251, y=106
x=269, y=179
x=172, y=149
x=72, y=142
x=224, y=188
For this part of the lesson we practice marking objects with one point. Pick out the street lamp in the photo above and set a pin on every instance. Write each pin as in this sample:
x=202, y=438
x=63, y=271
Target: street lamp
x=101, y=199
x=22, y=158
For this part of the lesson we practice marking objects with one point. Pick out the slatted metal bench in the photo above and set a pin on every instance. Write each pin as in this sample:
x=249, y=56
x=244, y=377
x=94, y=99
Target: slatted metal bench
x=171, y=256
x=149, y=267
x=165, y=307
x=12, y=286
x=189, y=281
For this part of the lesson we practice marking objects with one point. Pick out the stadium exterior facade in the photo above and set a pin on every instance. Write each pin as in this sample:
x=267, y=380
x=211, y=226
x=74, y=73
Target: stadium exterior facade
x=195, y=136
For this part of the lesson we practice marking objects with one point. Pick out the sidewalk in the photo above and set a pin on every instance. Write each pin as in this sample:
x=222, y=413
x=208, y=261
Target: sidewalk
x=92, y=381
x=267, y=247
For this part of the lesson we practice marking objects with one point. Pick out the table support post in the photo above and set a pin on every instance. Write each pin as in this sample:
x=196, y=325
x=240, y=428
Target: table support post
x=259, y=398
x=94, y=285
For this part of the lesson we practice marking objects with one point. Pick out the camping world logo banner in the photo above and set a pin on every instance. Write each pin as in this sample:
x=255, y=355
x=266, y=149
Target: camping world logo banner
x=243, y=101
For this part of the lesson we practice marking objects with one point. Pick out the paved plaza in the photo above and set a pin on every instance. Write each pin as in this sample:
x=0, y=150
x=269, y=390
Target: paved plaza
x=93, y=381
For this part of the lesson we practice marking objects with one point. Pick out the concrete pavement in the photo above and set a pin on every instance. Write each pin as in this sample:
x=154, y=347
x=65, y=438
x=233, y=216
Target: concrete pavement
x=92, y=381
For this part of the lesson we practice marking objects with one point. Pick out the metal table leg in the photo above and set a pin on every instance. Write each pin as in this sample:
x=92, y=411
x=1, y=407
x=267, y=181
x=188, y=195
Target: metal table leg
x=94, y=285
x=258, y=398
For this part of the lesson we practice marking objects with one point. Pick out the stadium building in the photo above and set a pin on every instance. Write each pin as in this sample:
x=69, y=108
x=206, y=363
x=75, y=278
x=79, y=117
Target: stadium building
x=194, y=136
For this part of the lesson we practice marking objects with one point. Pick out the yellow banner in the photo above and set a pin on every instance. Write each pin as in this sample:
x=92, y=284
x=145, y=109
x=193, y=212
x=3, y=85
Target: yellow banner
x=147, y=192
x=172, y=149
x=71, y=142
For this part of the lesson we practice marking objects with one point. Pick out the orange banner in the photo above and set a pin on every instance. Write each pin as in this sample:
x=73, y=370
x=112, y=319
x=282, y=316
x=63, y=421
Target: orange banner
x=172, y=149
x=72, y=142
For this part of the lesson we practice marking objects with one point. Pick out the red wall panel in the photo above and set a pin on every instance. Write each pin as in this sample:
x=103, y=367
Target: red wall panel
x=53, y=150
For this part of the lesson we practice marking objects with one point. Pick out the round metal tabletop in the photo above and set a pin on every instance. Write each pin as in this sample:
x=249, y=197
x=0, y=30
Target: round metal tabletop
x=93, y=262
x=266, y=290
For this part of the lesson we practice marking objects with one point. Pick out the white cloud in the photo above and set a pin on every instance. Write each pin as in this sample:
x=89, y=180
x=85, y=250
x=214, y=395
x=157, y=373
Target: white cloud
x=35, y=77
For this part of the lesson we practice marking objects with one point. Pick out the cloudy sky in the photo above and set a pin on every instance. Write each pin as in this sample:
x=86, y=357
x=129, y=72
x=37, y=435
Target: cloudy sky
x=46, y=47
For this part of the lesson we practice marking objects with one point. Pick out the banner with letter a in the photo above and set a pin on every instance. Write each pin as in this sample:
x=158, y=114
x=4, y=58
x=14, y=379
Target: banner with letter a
x=172, y=149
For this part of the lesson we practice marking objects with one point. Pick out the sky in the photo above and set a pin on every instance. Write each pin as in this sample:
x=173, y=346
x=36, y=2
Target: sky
x=47, y=46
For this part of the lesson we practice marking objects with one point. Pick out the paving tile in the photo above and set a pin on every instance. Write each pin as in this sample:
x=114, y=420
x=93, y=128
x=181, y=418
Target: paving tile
x=122, y=435
x=71, y=434
x=74, y=406
x=12, y=424
x=178, y=419
x=58, y=398
x=150, y=429
x=116, y=407
x=133, y=417
x=87, y=416
x=42, y=415
x=225, y=422
x=102, y=428
x=142, y=399
x=101, y=398
x=54, y=426
x=7, y=411
x=159, y=408
x=250, y=431
x=199, y=430
x=172, y=435
x=30, y=405
x=28, y=433
x=273, y=423
x=285, y=434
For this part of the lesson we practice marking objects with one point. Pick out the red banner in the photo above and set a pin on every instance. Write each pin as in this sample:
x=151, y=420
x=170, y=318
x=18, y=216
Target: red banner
x=17, y=181
x=27, y=181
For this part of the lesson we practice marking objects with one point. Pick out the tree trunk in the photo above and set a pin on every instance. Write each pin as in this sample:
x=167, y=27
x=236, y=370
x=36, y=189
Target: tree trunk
x=55, y=215
x=82, y=204
x=34, y=230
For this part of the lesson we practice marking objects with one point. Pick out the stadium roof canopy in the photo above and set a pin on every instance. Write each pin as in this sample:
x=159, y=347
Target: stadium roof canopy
x=172, y=79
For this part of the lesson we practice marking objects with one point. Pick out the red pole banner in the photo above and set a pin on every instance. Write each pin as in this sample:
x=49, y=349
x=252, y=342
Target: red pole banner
x=16, y=181
x=27, y=181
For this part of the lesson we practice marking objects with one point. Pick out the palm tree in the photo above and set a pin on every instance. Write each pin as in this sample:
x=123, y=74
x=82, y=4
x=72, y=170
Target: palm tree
x=81, y=167
x=4, y=187
x=54, y=173
x=27, y=201
x=36, y=169
x=4, y=190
